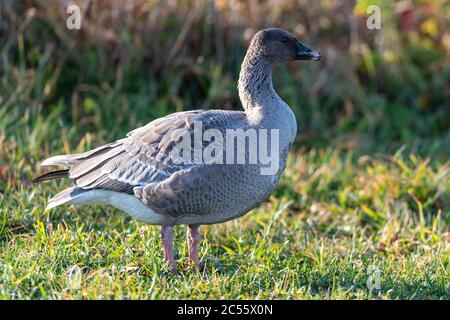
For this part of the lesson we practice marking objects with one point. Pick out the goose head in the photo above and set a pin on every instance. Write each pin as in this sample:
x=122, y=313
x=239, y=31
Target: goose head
x=279, y=46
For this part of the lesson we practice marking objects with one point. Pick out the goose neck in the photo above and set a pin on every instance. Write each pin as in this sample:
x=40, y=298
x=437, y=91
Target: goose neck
x=255, y=83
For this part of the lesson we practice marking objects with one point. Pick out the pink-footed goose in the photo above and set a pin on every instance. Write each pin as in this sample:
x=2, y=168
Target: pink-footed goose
x=139, y=175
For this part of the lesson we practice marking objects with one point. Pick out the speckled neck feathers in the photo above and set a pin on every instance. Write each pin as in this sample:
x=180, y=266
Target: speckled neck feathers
x=262, y=105
x=255, y=81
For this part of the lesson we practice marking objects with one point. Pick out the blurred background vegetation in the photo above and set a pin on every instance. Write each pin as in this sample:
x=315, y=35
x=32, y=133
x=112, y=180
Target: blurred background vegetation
x=132, y=61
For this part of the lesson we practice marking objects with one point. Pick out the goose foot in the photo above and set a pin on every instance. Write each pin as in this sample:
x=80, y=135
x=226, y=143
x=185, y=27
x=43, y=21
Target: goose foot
x=167, y=242
x=193, y=237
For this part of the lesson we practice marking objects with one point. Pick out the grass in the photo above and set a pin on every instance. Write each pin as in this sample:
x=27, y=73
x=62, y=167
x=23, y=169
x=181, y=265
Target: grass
x=365, y=199
x=332, y=223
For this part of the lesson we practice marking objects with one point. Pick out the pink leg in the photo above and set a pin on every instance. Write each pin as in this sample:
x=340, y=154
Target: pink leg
x=167, y=242
x=193, y=235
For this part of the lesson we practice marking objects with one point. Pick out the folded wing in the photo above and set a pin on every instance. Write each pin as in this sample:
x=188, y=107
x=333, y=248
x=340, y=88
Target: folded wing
x=142, y=158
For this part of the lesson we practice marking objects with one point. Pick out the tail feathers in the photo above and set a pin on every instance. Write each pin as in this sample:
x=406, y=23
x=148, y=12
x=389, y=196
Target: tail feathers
x=72, y=159
x=52, y=175
x=60, y=160
x=65, y=196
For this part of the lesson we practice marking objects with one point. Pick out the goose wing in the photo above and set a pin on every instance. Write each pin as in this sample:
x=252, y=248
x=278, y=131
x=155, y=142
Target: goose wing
x=145, y=156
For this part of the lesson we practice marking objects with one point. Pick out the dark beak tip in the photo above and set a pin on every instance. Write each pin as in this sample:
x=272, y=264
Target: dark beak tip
x=316, y=56
x=308, y=54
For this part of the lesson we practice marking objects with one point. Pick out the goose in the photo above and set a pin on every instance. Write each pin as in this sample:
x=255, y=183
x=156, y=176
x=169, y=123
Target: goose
x=142, y=176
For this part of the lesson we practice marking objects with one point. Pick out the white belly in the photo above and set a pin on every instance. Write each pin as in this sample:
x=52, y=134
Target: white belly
x=137, y=210
x=125, y=202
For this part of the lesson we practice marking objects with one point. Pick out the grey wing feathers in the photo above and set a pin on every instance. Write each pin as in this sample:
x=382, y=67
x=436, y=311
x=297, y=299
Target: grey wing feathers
x=68, y=160
x=140, y=159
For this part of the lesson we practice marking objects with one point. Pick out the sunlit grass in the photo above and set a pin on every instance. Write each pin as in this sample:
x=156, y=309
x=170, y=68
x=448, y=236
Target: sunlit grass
x=330, y=220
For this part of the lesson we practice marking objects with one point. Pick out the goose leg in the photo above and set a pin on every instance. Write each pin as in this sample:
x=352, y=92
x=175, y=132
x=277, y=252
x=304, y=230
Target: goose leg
x=193, y=237
x=167, y=242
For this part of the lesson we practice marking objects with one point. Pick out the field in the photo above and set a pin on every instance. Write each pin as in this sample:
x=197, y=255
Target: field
x=362, y=211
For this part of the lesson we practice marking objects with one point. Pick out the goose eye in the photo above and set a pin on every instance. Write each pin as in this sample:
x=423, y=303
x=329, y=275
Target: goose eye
x=284, y=39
